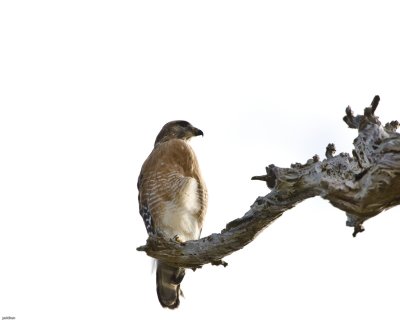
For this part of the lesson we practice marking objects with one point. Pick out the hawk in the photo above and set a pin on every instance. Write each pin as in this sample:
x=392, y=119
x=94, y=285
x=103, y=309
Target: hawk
x=172, y=199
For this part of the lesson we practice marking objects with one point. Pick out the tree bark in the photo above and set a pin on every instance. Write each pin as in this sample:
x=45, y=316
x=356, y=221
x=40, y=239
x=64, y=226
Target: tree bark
x=363, y=185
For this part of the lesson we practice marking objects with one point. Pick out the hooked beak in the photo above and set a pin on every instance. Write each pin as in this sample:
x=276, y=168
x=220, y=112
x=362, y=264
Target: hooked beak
x=198, y=132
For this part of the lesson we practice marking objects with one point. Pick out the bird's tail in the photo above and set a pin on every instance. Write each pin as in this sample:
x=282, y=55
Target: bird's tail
x=168, y=280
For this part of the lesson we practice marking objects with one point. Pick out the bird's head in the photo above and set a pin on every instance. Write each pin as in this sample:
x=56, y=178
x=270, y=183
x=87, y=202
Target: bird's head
x=178, y=129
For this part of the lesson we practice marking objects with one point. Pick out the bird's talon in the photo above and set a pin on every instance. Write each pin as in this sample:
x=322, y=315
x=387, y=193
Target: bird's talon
x=177, y=239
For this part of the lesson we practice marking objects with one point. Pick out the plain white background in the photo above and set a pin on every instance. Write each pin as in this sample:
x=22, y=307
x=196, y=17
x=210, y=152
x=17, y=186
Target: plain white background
x=85, y=86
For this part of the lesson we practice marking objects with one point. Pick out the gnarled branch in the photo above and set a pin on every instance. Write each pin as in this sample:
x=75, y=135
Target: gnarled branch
x=363, y=186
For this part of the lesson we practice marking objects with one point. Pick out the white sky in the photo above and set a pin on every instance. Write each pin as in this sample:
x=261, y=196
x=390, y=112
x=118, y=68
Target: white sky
x=85, y=87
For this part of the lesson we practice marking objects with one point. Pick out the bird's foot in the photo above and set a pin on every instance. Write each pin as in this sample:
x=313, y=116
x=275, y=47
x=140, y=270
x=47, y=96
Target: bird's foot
x=177, y=239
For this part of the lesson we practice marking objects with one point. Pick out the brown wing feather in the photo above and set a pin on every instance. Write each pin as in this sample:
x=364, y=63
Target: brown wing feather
x=164, y=180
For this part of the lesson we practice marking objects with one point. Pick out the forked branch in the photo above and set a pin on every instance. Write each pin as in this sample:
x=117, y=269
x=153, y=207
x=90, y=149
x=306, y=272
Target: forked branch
x=363, y=185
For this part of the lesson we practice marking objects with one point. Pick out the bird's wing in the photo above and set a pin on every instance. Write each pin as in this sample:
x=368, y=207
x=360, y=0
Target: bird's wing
x=171, y=189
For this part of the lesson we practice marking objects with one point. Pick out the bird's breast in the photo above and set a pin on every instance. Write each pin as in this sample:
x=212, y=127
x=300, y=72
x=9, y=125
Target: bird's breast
x=181, y=215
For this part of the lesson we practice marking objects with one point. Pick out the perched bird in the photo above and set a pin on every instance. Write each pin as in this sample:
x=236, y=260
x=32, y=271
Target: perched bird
x=172, y=199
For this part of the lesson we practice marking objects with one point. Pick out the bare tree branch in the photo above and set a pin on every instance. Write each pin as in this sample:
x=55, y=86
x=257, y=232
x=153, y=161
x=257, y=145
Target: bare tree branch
x=363, y=186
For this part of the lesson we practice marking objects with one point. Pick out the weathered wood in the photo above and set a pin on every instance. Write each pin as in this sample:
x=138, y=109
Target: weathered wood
x=362, y=185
